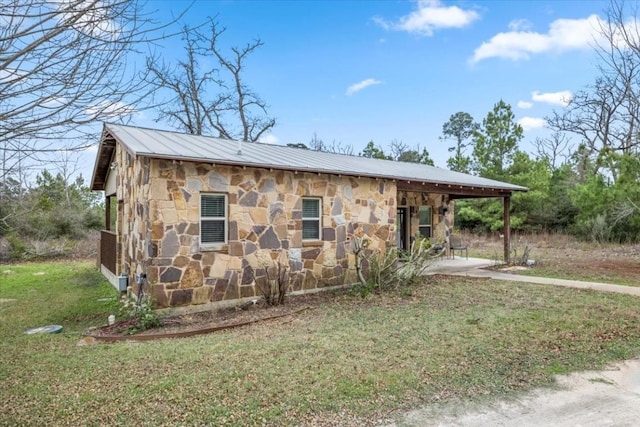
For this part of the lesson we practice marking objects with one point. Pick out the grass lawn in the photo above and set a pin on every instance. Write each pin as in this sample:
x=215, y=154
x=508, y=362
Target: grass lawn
x=351, y=362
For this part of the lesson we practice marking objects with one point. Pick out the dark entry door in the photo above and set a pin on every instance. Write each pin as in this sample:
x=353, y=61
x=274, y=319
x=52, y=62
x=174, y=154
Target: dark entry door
x=402, y=223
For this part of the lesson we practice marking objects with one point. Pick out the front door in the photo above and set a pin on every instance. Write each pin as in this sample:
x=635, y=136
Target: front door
x=402, y=228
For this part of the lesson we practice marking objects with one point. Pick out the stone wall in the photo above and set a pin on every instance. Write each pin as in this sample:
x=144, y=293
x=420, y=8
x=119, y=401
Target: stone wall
x=441, y=224
x=132, y=225
x=264, y=225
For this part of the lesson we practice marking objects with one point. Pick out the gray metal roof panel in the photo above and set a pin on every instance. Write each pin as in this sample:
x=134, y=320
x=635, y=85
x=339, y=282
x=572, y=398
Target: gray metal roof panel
x=179, y=146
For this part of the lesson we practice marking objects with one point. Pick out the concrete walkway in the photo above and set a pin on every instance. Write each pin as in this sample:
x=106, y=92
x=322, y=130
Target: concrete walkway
x=476, y=267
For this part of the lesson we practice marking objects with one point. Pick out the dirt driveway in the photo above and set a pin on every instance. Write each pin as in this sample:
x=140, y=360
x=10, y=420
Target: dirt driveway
x=602, y=398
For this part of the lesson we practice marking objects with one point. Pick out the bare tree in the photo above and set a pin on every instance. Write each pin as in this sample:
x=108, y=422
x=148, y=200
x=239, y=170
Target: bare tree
x=605, y=116
x=553, y=148
x=316, y=143
x=234, y=111
x=65, y=64
x=337, y=147
x=401, y=152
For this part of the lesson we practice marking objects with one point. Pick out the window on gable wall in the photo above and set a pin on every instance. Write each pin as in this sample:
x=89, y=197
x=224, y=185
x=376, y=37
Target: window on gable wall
x=424, y=226
x=311, y=216
x=213, y=218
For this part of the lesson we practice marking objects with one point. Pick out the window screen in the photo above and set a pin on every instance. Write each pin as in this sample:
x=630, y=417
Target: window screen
x=213, y=219
x=425, y=221
x=311, y=219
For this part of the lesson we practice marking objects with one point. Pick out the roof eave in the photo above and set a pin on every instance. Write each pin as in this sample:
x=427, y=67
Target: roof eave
x=446, y=186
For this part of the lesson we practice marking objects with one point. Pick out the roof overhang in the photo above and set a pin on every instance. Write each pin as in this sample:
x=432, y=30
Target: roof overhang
x=104, y=158
x=172, y=146
x=455, y=191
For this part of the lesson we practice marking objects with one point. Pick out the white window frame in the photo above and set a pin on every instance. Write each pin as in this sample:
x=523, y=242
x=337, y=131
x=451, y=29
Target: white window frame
x=430, y=225
x=225, y=220
x=318, y=218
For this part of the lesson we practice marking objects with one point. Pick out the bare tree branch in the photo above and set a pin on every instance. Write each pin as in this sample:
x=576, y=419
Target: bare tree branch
x=64, y=65
x=553, y=148
x=605, y=116
x=183, y=91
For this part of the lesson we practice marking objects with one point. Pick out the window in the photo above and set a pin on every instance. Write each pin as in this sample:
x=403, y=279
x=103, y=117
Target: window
x=424, y=226
x=311, y=219
x=213, y=218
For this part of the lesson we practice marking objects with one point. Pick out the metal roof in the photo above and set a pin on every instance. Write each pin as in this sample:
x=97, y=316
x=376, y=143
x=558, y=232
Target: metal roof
x=178, y=146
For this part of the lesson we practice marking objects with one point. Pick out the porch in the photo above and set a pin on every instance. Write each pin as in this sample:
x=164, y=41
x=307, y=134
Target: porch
x=427, y=210
x=108, y=256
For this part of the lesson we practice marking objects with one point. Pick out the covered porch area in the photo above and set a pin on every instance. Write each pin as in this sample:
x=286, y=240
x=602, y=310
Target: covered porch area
x=427, y=210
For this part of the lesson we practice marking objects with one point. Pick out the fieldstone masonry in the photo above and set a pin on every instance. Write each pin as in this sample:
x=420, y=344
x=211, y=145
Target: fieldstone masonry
x=158, y=226
x=442, y=222
x=161, y=224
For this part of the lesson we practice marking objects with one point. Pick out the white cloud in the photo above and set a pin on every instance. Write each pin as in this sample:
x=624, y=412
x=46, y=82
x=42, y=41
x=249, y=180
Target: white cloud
x=521, y=43
x=110, y=110
x=53, y=101
x=520, y=25
x=9, y=75
x=561, y=98
x=525, y=104
x=92, y=148
x=357, y=87
x=431, y=15
x=269, y=139
x=530, y=123
x=93, y=21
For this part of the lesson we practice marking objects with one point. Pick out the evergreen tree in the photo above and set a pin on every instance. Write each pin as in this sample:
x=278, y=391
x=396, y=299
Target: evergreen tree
x=373, y=151
x=496, y=142
x=460, y=128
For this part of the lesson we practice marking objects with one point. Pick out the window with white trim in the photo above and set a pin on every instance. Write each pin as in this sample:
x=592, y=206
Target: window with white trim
x=213, y=219
x=311, y=218
x=424, y=226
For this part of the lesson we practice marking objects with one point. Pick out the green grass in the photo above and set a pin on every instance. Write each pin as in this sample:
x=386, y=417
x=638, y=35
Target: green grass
x=354, y=359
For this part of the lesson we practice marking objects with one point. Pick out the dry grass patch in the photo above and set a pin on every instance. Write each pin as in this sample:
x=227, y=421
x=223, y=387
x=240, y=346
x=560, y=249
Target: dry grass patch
x=564, y=257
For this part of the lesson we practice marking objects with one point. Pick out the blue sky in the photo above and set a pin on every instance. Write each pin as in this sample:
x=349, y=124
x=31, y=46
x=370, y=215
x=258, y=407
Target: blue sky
x=355, y=71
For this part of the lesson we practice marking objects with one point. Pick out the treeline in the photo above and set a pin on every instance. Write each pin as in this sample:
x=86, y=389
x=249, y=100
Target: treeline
x=47, y=218
x=582, y=181
x=584, y=178
x=591, y=193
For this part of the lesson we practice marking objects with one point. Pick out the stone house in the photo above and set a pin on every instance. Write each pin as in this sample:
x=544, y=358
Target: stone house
x=203, y=217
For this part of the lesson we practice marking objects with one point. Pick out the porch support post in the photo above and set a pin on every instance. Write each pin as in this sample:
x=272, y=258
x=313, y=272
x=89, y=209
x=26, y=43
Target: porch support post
x=507, y=228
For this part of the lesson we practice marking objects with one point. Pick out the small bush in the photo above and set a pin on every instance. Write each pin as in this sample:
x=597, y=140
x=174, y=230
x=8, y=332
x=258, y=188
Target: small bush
x=17, y=247
x=139, y=312
x=520, y=250
x=274, y=279
x=275, y=284
x=395, y=268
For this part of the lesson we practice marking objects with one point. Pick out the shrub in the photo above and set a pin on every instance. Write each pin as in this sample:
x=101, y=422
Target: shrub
x=138, y=311
x=275, y=284
x=394, y=268
x=17, y=247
